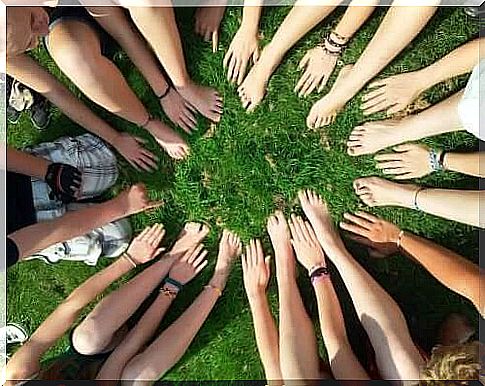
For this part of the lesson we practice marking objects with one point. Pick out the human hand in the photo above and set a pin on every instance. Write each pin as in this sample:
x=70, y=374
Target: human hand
x=131, y=148
x=244, y=46
x=256, y=269
x=64, y=181
x=135, y=200
x=393, y=94
x=318, y=65
x=308, y=250
x=189, y=265
x=168, y=139
x=178, y=110
x=371, y=227
x=207, y=22
x=408, y=161
x=145, y=246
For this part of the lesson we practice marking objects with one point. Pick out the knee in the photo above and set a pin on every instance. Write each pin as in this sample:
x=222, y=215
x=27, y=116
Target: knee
x=87, y=340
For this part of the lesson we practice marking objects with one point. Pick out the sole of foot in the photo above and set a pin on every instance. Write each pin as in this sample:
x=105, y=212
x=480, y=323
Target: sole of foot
x=324, y=112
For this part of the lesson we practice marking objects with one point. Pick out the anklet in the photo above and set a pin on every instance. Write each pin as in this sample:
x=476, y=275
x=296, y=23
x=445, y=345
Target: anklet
x=415, y=201
x=165, y=93
x=128, y=257
x=214, y=288
x=399, y=239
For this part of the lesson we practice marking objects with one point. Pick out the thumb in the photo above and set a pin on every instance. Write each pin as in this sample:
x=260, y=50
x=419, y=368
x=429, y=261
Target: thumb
x=267, y=261
x=215, y=41
x=304, y=61
x=402, y=148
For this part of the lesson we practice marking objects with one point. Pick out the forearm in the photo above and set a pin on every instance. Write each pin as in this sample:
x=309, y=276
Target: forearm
x=137, y=338
x=251, y=15
x=120, y=304
x=342, y=360
x=61, y=320
x=459, y=61
x=466, y=163
x=354, y=17
x=39, y=236
x=457, y=205
x=27, y=164
x=266, y=336
x=451, y=269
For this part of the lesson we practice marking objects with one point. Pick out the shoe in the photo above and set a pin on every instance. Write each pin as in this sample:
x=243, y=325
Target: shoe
x=13, y=115
x=85, y=248
x=40, y=114
x=115, y=237
x=474, y=12
x=13, y=333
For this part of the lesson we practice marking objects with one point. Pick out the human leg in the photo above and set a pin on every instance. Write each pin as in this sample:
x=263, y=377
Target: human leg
x=299, y=358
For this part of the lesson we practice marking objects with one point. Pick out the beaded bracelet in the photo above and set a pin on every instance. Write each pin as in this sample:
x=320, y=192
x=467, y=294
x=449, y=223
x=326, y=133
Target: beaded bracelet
x=169, y=293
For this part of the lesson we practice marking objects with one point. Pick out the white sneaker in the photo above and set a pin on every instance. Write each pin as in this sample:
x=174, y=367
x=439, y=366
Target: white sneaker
x=85, y=248
x=13, y=333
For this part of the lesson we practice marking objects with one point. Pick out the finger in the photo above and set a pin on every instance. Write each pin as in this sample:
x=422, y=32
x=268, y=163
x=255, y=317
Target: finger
x=149, y=162
x=149, y=154
x=140, y=140
x=207, y=35
x=373, y=94
x=302, y=81
x=244, y=263
x=143, y=233
x=323, y=83
x=405, y=147
x=141, y=165
x=158, y=239
x=358, y=221
x=354, y=229
x=154, y=204
x=312, y=86
x=215, y=41
x=359, y=239
x=376, y=108
x=194, y=253
x=227, y=57
x=201, y=266
x=372, y=102
x=369, y=217
x=389, y=165
x=304, y=61
x=395, y=108
x=259, y=250
x=248, y=255
x=199, y=259
x=149, y=236
x=311, y=232
x=378, y=83
x=294, y=233
x=134, y=165
x=267, y=262
x=394, y=171
x=253, y=252
x=406, y=176
x=242, y=72
x=303, y=228
x=388, y=157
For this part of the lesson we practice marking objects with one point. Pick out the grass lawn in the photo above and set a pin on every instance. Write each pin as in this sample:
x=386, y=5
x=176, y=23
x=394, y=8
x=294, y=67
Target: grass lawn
x=251, y=165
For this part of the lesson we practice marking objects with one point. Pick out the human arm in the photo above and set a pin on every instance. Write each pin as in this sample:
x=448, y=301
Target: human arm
x=451, y=269
x=39, y=236
x=309, y=253
x=26, y=164
x=245, y=43
x=256, y=274
x=27, y=71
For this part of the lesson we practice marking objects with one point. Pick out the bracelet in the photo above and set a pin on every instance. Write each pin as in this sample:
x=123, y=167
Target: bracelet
x=434, y=160
x=399, y=239
x=341, y=37
x=130, y=258
x=174, y=282
x=165, y=93
x=168, y=292
x=333, y=43
x=319, y=274
x=415, y=201
x=214, y=288
x=327, y=51
x=315, y=267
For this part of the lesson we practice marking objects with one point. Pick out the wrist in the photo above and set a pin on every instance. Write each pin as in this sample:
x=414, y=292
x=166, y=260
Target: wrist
x=255, y=296
x=249, y=27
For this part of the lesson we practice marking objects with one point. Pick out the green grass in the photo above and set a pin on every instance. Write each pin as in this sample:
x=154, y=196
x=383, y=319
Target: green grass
x=252, y=165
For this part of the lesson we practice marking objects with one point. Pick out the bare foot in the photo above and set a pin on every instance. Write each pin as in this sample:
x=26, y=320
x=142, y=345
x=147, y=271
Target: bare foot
x=192, y=235
x=205, y=100
x=376, y=191
x=208, y=20
x=229, y=248
x=374, y=136
x=279, y=233
x=168, y=139
x=253, y=88
x=393, y=94
x=324, y=111
x=316, y=210
x=178, y=110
